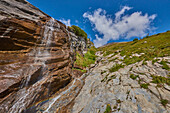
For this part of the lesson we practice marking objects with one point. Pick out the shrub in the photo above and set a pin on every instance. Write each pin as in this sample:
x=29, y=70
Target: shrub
x=79, y=32
x=135, y=39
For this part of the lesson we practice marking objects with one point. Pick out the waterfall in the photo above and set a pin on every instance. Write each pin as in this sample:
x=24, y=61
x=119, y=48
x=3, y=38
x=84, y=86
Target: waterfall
x=58, y=96
x=41, y=54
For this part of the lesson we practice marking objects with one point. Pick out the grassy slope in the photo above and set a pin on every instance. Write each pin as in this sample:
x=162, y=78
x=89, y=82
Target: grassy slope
x=89, y=58
x=153, y=46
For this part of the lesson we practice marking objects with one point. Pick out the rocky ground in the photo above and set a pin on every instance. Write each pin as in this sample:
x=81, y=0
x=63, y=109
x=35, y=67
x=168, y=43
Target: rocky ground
x=38, y=72
x=130, y=89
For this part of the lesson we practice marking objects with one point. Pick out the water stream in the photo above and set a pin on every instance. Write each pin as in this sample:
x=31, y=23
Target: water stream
x=28, y=95
x=58, y=96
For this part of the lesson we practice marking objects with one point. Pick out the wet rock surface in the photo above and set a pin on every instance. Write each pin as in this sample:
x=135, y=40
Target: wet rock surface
x=36, y=56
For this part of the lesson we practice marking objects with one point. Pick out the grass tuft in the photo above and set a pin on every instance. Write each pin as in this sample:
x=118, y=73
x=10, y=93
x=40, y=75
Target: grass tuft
x=145, y=86
x=164, y=65
x=116, y=67
x=108, y=109
x=89, y=58
x=164, y=102
x=160, y=80
x=134, y=77
x=153, y=46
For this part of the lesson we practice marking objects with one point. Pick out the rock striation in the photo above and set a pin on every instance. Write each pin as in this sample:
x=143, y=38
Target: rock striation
x=38, y=73
x=36, y=55
x=122, y=92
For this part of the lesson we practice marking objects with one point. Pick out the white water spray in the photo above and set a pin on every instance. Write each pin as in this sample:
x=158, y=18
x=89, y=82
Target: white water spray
x=41, y=55
x=57, y=97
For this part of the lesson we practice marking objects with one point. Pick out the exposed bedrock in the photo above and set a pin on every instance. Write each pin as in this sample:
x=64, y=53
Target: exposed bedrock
x=36, y=55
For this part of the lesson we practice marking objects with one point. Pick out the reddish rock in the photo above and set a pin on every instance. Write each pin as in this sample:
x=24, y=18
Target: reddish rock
x=32, y=70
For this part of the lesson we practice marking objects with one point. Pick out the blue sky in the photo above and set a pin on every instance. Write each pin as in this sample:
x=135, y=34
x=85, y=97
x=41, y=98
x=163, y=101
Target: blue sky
x=135, y=18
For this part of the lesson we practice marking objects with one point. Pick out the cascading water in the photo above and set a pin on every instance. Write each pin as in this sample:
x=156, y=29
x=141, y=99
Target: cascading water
x=61, y=99
x=41, y=55
x=28, y=94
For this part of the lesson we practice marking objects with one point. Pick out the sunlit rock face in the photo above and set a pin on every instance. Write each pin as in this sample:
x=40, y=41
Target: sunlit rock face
x=36, y=55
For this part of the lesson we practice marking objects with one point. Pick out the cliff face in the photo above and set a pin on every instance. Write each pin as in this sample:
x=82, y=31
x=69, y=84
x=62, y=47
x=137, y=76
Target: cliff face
x=36, y=55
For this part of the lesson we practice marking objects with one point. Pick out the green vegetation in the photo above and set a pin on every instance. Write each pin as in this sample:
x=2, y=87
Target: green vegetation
x=114, y=107
x=144, y=63
x=132, y=60
x=79, y=70
x=131, y=69
x=89, y=58
x=78, y=31
x=134, y=77
x=160, y=80
x=112, y=48
x=152, y=47
x=145, y=86
x=103, y=72
x=116, y=67
x=110, y=78
x=135, y=39
x=164, y=65
x=105, y=78
x=107, y=53
x=113, y=59
x=113, y=77
x=164, y=102
x=108, y=109
x=118, y=101
x=155, y=60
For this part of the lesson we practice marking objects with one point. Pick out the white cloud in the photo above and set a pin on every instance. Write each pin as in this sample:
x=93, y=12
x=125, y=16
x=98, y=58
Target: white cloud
x=66, y=22
x=125, y=26
x=121, y=12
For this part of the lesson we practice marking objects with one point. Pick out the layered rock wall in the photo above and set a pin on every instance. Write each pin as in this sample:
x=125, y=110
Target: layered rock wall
x=36, y=55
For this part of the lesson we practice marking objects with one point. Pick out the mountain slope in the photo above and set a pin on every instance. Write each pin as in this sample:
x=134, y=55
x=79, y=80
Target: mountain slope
x=129, y=77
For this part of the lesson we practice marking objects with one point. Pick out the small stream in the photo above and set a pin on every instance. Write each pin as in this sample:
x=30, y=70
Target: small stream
x=25, y=95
